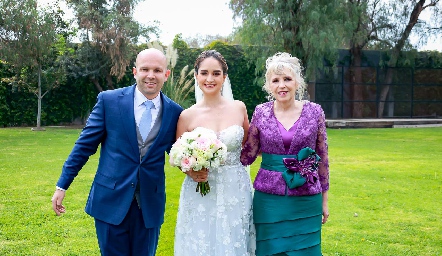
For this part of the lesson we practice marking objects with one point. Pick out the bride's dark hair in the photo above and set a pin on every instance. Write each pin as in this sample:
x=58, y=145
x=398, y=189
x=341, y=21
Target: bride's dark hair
x=214, y=54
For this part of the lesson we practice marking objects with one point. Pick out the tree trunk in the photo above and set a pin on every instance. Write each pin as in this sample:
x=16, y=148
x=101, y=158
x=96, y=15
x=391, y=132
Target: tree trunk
x=39, y=97
x=110, y=83
x=418, y=7
x=356, y=86
x=390, y=104
x=97, y=84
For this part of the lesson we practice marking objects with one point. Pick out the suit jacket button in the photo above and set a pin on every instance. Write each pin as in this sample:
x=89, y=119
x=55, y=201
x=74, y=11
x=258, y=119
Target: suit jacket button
x=132, y=185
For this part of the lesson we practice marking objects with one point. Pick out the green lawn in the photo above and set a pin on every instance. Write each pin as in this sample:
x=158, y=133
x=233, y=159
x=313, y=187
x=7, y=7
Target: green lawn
x=385, y=194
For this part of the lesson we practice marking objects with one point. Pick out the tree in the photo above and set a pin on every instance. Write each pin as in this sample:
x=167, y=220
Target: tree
x=30, y=42
x=396, y=38
x=109, y=36
x=199, y=41
x=4, y=108
x=307, y=29
x=364, y=20
x=384, y=25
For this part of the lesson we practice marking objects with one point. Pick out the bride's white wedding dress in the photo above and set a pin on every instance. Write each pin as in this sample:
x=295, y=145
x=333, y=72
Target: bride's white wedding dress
x=219, y=223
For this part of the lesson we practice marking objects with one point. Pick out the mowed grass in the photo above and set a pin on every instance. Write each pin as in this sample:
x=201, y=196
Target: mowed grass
x=385, y=194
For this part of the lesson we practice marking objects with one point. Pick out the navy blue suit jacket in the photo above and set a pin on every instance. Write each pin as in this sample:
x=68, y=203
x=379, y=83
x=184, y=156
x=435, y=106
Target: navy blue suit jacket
x=111, y=124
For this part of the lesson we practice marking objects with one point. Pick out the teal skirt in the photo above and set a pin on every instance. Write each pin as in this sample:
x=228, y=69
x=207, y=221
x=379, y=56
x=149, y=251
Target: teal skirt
x=287, y=225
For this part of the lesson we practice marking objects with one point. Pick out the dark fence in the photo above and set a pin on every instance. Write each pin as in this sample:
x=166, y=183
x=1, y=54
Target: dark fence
x=375, y=92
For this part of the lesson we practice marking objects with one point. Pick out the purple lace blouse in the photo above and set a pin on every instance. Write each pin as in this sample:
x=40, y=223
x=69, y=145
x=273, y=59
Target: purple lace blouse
x=264, y=136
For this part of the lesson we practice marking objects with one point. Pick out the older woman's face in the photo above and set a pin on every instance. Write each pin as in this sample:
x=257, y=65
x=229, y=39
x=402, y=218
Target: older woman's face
x=283, y=86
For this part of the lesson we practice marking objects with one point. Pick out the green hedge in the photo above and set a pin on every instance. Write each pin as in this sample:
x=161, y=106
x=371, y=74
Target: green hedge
x=74, y=100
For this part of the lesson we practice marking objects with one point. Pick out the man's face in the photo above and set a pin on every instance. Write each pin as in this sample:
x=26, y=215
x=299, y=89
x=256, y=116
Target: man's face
x=150, y=72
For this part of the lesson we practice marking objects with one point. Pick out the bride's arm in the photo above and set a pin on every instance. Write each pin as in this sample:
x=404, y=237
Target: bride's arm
x=183, y=123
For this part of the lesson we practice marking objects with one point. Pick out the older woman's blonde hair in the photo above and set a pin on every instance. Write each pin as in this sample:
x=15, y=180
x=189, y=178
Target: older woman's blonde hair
x=280, y=62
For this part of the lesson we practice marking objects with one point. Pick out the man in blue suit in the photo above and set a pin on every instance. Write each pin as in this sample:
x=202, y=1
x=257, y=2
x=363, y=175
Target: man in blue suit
x=127, y=197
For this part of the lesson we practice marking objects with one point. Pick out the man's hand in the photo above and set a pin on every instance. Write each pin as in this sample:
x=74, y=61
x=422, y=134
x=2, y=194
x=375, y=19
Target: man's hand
x=57, y=200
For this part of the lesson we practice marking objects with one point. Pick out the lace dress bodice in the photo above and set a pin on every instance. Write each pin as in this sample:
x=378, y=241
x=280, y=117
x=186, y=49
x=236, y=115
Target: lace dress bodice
x=232, y=137
x=219, y=223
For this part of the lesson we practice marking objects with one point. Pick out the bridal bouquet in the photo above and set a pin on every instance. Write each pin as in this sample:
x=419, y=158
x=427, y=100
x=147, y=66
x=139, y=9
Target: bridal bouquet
x=198, y=150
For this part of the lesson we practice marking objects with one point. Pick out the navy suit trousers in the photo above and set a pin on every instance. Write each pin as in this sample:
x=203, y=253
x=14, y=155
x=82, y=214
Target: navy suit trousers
x=130, y=238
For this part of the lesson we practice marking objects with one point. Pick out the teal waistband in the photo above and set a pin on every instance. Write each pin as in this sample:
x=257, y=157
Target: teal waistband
x=273, y=162
x=294, y=173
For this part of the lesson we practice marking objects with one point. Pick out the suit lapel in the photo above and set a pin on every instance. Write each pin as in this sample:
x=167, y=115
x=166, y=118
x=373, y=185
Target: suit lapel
x=167, y=118
x=126, y=103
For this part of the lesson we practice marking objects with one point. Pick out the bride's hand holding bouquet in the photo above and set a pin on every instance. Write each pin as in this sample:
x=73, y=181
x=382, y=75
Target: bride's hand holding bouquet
x=198, y=151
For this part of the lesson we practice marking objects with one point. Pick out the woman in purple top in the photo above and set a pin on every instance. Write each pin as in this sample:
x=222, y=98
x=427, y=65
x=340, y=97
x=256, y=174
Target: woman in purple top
x=290, y=200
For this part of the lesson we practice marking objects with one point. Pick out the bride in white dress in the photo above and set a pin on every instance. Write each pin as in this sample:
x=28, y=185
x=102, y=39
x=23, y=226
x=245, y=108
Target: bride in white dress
x=219, y=223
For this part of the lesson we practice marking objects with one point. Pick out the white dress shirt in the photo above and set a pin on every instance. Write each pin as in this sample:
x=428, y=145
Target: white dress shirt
x=139, y=108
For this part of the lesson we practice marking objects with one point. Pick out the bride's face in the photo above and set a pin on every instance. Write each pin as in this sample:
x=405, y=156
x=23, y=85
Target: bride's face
x=210, y=76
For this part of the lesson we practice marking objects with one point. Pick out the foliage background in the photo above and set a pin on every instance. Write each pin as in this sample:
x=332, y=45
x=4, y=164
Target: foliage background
x=71, y=102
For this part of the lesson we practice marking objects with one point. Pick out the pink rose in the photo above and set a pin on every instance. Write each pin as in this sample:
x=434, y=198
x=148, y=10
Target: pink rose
x=218, y=144
x=203, y=143
x=187, y=163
